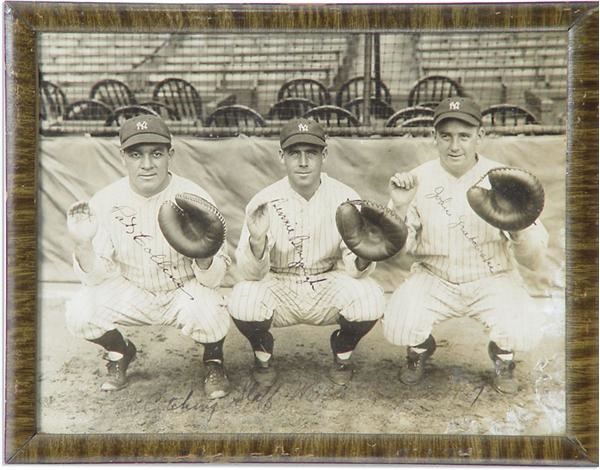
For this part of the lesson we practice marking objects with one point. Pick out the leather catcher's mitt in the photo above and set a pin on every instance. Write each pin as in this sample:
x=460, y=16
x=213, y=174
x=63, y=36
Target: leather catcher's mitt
x=514, y=202
x=373, y=233
x=192, y=226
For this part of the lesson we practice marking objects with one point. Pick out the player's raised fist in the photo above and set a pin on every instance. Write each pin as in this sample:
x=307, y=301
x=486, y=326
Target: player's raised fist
x=403, y=187
x=81, y=222
x=258, y=222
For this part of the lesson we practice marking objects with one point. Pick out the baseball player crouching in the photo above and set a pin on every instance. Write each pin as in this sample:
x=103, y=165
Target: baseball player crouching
x=295, y=265
x=464, y=265
x=130, y=273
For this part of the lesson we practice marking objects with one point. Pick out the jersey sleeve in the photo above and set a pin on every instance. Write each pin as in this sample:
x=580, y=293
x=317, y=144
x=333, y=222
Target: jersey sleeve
x=104, y=265
x=212, y=277
x=529, y=245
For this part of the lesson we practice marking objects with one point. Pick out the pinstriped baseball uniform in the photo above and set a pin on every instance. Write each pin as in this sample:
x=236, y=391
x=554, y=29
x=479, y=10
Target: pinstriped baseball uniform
x=464, y=266
x=307, y=274
x=138, y=279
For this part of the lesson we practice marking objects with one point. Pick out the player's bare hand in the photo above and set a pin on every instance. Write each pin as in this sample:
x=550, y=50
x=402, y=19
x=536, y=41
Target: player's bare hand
x=82, y=223
x=403, y=187
x=258, y=222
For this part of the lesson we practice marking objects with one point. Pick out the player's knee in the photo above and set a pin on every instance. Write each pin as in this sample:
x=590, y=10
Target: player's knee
x=79, y=312
x=364, y=300
x=246, y=302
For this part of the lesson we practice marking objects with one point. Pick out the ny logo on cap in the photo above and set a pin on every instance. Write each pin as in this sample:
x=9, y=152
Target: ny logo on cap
x=142, y=125
x=303, y=127
x=455, y=105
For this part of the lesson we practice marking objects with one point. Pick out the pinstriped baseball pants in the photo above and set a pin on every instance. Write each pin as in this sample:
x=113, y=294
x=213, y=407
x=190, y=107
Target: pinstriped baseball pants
x=500, y=302
x=199, y=312
x=290, y=300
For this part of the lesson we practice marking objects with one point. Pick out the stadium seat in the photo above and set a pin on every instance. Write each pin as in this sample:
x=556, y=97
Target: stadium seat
x=405, y=114
x=181, y=96
x=53, y=101
x=354, y=87
x=308, y=88
x=235, y=115
x=87, y=110
x=333, y=116
x=112, y=92
x=507, y=115
x=123, y=113
x=419, y=121
x=433, y=89
x=290, y=108
x=164, y=111
x=378, y=109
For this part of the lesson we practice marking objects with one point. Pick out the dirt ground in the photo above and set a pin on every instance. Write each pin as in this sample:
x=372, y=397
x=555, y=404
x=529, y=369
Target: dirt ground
x=166, y=395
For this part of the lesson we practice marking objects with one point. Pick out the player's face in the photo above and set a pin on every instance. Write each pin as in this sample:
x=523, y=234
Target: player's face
x=148, y=167
x=457, y=144
x=303, y=163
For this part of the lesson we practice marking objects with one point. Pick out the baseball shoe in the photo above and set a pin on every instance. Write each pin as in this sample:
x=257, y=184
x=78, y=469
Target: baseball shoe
x=504, y=380
x=341, y=371
x=216, y=383
x=117, y=369
x=263, y=373
x=413, y=372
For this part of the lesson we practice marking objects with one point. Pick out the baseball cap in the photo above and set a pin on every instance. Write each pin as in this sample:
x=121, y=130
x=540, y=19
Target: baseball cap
x=144, y=129
x=305, y=131
x=458, y=107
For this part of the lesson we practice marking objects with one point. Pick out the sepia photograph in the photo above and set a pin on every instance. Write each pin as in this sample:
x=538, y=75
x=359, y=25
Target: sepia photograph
x=302, y=232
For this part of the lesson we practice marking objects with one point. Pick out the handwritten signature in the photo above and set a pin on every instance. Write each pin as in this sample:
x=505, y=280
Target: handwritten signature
x=437, y=196
x=297, y=241
x=126, y=216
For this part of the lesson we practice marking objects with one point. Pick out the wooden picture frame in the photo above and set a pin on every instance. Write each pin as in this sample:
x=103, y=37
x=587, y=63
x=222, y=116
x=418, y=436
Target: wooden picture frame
x=24, y=444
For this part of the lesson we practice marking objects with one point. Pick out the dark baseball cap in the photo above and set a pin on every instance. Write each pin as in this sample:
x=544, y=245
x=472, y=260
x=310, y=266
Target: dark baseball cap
x=458, y=107
x=144, y=129
x=302, y=131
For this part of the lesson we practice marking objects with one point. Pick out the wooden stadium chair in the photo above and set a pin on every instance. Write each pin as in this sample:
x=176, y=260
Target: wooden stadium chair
x=289, y=108
x=402, y=115
x=433, y=89
x=112, y=92
x=164, y=111
x=379, y=109
x=354, y=88
x=121, y=114
x=333, y=116
x=308, y=88
x=420, y=121
x=53, y=101
x=235, y=115
x=87, y=110
x=507, y=115
x=181, y=96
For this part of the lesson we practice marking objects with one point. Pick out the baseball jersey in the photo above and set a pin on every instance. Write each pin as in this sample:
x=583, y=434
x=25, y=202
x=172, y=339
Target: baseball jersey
x=302, y=239
x=129, y=241
x=449, y=238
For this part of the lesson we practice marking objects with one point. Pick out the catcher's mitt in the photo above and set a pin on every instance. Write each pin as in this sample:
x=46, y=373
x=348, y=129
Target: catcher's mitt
x=192, y=226
x=513, y=203
x=374, y=233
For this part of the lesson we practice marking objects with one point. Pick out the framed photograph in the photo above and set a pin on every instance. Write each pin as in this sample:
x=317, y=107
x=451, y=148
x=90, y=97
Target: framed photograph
x=244, y=103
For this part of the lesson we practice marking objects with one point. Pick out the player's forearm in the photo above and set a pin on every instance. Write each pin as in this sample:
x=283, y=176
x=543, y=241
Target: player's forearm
x=210, y=271
x=85, y=256
x=529, y=246
x=250, y=267
x=258, y=246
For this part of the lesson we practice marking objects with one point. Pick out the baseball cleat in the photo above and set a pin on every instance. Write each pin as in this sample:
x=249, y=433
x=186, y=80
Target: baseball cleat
x=504, y=380
x=341, y=371
x=117, y=369
x=414, y=370
x=263, y=373
x=216, y=383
